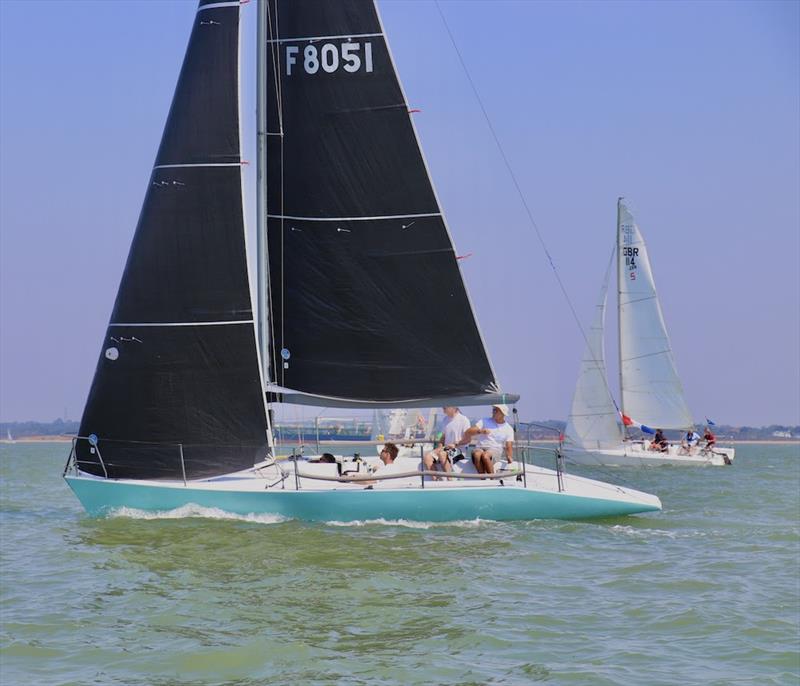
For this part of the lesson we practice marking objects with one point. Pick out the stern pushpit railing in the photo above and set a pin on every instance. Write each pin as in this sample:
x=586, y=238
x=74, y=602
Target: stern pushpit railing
x=525, y=454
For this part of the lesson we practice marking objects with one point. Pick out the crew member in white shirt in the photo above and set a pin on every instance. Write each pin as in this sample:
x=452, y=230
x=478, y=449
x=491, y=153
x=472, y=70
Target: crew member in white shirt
x=453, y=439
x=387, y=465
x=690, y=440
x=495, y=438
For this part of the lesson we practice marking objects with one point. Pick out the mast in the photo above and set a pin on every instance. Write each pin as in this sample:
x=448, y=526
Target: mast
x=619, y=315
x=262, y=279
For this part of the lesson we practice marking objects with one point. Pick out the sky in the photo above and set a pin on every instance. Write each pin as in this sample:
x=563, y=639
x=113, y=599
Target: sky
x=691, y=110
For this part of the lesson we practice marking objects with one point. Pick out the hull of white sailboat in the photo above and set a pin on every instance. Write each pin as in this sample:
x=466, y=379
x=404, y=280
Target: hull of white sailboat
x=438, y=501
x=637, y=454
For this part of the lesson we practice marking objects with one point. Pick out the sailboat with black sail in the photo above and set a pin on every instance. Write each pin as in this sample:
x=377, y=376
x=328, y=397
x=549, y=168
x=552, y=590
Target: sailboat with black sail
x=652, y=396
x=351, y=239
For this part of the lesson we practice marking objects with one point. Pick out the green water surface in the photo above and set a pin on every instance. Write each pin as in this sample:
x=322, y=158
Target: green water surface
x=707, y=592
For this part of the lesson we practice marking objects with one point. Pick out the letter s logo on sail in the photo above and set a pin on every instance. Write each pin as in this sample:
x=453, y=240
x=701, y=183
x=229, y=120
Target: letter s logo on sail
x=330, y=58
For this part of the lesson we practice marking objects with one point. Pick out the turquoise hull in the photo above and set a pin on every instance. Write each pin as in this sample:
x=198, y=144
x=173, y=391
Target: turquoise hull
x=429, y=505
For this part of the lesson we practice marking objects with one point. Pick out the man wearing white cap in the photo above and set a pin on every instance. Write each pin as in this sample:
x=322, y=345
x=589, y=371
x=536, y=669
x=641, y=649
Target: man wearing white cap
x=495, y=438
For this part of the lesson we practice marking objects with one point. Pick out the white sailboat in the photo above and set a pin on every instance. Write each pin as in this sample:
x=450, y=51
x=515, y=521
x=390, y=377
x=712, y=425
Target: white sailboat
x=651, y=392
x=351, y=238
x=410, y=429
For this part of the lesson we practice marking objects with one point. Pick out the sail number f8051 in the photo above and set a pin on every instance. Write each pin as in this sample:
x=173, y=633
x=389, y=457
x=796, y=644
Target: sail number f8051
x=329, y=57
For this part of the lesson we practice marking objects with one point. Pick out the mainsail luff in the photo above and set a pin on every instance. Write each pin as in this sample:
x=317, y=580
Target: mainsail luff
x=177, y=389
x=367, y=298
x=651, y=390
x=593, y=422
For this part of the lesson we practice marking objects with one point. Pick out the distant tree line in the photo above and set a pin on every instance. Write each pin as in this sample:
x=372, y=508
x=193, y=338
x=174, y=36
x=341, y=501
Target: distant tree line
x=534, y=431
x=23, y=429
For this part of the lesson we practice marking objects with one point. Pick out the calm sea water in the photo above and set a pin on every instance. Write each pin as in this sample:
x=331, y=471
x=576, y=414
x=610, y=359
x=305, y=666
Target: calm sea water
x=707, y=592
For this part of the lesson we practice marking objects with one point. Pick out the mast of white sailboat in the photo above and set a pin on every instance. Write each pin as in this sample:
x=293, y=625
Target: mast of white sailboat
x=262, y=294
x=619, y=315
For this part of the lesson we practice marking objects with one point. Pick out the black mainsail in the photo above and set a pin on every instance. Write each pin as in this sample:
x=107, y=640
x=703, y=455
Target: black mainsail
x=177, y=389
x=367, y=300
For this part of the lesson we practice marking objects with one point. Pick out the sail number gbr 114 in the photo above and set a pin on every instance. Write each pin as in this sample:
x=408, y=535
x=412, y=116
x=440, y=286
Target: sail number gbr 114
x=329, y=57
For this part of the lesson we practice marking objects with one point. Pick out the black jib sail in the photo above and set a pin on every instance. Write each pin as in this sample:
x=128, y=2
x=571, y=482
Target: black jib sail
x=366, y=295
x=177, y=389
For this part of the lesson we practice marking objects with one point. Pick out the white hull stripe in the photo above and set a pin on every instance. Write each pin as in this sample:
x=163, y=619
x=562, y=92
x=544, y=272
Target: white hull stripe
x=353, y=219
x=201, y=164
x=224, y=323
x=313, y=38
x=214, y=5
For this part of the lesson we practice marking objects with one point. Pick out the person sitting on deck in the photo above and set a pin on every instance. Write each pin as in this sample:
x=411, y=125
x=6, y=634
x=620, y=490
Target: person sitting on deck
x=388, y=456
x=495, y=438
x=709, y=438
x=325, y=458
x=690, y=440
x=659, y=442
x=448, y=449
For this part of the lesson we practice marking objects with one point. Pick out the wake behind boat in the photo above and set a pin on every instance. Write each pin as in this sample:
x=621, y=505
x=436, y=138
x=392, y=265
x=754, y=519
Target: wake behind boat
x=351, y=239
x=597, y=431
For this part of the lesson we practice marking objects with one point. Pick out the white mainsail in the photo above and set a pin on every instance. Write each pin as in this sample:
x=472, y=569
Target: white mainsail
x=593, y=420
x=651, y=391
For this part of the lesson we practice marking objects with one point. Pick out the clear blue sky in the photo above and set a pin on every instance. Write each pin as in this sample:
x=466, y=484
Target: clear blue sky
x=689, y=109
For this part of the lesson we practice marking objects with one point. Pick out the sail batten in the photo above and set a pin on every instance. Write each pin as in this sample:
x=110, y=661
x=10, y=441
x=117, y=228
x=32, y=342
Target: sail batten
x=345, y=36
x=353, y=219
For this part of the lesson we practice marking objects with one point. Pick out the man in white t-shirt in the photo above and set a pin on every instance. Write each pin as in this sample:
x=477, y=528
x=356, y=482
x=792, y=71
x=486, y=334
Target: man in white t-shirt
x=448, y=449
x=495, y=439
x=388, y=464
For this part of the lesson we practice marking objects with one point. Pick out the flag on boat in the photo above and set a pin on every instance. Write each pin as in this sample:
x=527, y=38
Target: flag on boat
x=627, y=421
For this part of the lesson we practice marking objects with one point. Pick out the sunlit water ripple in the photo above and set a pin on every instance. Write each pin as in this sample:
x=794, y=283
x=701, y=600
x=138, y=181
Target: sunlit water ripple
x=707, y=592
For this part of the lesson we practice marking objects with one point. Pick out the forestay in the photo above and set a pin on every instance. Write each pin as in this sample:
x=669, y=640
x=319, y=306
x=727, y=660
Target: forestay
x=652, y=393
x=367, y=300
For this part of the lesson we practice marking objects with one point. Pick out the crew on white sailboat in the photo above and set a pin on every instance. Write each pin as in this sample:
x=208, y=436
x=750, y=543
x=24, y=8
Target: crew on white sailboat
x=709, y=438
x=691, y=439
x=659, y=443
x=495, y=437
x=454, y=438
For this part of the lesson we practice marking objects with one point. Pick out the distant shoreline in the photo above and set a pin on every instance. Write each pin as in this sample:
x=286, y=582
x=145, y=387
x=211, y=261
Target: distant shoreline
x=68, y=439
